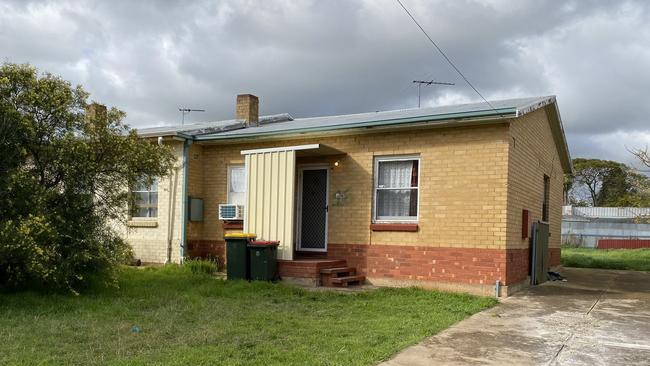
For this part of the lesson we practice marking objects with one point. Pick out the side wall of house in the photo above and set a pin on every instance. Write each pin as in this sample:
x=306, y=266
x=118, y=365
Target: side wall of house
x=533, y=154
x=461, y=236
x=153, y=240
x=195, y=188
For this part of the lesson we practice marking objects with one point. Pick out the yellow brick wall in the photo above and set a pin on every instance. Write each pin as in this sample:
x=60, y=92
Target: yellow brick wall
x=474, y=182
x=532, y=155
x=195, y=187
x=216, y=161
x=463, y=179
x=150, y=243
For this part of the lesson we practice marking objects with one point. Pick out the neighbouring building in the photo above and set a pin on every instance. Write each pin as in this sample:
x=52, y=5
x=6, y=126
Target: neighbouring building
x=440, y=197
x=606, y=227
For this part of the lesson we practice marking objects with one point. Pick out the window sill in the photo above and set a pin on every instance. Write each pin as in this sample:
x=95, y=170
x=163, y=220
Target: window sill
x=233, y=225
x=142, y=223
x=394, y=227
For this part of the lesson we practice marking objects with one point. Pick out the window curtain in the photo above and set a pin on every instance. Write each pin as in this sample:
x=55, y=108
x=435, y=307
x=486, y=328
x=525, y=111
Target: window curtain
x=395, y=174
x=238, y=180
x=237, y=186
x=392, y=201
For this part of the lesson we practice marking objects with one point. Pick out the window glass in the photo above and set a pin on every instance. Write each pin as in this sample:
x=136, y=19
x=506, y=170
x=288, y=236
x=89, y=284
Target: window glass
x=236, y=185
x=145, y=199
x=396, y=189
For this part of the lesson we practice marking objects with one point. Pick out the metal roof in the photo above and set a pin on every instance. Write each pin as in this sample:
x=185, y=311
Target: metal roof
x=281, y=125
x=502, y=109
x=198, y=128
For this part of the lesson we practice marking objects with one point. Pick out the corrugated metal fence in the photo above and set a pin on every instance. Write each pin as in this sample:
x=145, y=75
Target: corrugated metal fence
x=586, y=226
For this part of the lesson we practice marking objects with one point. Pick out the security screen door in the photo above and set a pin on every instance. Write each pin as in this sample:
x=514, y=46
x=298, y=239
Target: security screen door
x=312, y=228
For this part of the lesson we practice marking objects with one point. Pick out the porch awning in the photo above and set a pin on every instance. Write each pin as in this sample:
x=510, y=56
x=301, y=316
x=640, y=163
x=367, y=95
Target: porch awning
x=270, y=192
x=301, y=150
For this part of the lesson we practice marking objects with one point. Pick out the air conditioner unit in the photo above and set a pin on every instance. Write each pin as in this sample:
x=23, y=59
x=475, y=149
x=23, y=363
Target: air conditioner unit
x=231, y=212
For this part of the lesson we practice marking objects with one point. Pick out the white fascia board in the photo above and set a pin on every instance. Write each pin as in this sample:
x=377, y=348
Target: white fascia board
x=534, y=105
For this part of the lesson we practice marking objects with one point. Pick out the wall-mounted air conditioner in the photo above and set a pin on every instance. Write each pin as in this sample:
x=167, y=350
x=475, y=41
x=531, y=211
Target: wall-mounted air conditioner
x=231, y=212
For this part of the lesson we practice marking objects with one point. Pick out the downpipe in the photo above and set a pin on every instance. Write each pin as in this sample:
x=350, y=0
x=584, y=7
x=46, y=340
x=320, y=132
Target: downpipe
x=186, y=168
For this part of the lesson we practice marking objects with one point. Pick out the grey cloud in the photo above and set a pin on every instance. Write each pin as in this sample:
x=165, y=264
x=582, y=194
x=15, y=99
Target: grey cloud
x=328, y=57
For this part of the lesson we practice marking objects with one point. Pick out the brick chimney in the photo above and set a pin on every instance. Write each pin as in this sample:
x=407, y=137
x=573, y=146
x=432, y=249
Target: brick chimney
x=95, y=115
x=95, y=110
x=248, y=109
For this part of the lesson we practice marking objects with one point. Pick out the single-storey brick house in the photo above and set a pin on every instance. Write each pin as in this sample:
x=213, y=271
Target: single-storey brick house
x=435, y=197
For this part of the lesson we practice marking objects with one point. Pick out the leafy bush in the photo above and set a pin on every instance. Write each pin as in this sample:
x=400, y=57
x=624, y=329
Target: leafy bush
x=200, y=266
x=36, y=254
x=26, y=253
x=65, y=165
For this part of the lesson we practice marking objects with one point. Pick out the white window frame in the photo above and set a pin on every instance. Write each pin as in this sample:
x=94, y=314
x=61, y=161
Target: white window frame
x=157, y=182
x=375, y=188
x=229, y=174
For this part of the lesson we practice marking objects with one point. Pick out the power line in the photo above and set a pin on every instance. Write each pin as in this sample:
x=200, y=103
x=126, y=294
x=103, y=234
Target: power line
x=444, y=55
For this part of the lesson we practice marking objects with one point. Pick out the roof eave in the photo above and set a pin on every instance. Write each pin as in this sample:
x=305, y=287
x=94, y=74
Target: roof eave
x=560, y=138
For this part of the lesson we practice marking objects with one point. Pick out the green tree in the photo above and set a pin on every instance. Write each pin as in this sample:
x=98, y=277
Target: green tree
x=606, y=183
x=65, y=168
x=643, y=155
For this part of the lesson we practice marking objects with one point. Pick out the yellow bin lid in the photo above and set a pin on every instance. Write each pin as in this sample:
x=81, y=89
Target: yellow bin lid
x=240, y=235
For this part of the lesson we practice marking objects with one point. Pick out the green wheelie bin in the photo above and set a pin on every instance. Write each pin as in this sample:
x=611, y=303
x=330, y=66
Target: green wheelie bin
x=263, y=260
x=237, y=260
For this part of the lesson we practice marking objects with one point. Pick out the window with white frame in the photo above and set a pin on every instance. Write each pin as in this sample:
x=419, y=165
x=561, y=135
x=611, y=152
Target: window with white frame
x=145, y=199
x=236, y=185
x=396, y=188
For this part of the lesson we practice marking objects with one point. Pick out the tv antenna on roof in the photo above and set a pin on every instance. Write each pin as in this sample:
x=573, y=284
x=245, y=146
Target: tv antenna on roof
x=428, y=83
x=187, y=111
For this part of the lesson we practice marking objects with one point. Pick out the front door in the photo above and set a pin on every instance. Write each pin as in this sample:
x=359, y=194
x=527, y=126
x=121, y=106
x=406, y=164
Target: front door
x=312, y=209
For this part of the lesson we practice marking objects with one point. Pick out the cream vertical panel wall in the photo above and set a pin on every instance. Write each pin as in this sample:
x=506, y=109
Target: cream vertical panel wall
x=270, y=187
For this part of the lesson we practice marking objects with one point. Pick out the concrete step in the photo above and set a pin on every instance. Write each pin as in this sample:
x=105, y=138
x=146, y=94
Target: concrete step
x=338, y=271
x=348, y=280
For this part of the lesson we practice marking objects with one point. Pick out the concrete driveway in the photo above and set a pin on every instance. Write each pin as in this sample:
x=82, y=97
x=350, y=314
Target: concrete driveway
x=598, y=317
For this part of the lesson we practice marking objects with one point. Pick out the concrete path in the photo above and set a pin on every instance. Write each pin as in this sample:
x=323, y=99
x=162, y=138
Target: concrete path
x=598, y=317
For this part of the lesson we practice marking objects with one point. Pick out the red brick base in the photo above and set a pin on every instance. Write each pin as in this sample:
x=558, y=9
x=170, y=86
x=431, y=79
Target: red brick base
x=461, y=265
x=306, y=268
x=517, y=265
x=554, y=254
x=215, y=249
x=465, y=265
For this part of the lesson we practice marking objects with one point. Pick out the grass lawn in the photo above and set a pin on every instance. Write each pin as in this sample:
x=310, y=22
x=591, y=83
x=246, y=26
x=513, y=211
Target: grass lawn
x=195, y=319
x=628, y=259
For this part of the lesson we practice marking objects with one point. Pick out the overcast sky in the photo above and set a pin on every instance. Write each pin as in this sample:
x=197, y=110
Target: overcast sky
x=311, y=58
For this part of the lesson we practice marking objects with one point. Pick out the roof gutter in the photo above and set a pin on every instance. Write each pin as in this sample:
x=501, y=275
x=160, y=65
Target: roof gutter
x=498, y=113
x=167, y=134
